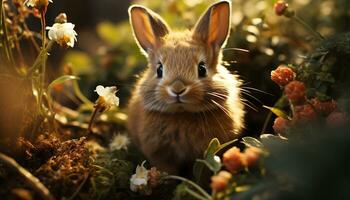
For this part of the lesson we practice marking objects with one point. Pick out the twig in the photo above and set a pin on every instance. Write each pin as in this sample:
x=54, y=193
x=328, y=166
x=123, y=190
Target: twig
x=31, y=180
x=316, y=34
x=79, y=188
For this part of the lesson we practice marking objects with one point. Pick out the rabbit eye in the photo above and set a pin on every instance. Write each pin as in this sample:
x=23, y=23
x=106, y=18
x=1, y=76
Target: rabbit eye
x=202, y=69
x=159, y=70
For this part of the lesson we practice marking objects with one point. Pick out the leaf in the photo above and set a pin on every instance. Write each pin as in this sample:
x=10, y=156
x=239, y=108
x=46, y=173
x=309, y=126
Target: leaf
x=198, y=169
x=252, y=142
x=212, y=164
x=278, y=112
x=209, y=160
x=270, y=137
x=212, y=147
x=61, y=80
x=222, y=146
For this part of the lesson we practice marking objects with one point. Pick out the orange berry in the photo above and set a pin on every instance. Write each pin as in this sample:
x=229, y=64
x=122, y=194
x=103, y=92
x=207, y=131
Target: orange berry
x=304, y=113
x=324, y=107
x=252, y=155
x=282, y=75
x=233, y=159
x=295, y=91
x=280, y=125
x=220, y=181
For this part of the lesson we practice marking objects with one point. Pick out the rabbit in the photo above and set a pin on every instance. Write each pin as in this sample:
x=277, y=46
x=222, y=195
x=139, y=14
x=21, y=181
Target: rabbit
x=185, y=97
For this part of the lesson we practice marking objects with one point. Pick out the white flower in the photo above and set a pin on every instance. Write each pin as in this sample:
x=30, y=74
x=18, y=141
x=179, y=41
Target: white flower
x=37, y=3
x=119, y=142
x=63, y=34
x=107, y=97
x=140, y=178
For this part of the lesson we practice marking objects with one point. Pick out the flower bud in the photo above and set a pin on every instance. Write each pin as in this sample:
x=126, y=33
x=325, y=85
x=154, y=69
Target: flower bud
x=61, y=18
x=281, y=8
x=41, y=5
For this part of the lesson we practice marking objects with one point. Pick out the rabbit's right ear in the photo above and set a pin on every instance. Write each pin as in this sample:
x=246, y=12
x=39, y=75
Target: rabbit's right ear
x=148, y=27
x=214, y=25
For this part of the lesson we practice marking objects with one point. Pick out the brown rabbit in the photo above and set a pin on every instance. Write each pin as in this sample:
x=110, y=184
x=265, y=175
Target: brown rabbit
x=185, y=97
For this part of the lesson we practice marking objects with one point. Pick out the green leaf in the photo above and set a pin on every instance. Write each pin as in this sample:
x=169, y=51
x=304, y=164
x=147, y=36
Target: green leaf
x=278, y=112
x=198, y=169
x=252, y=142
x=222, y=146
x=212, y=147
x=213, y=164
x=270, y=137
x=61, y=80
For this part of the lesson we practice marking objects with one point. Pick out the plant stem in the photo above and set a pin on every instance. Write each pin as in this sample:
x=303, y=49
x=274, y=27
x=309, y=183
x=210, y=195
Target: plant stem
x=205, y=194
x=195, y=194
x=42, y=55
x=79, y=94
x=43, y=61
x=32, y=39
x=5, y=39
x=80, y=186
x=316, y=34
x=31, y=180
x=97, y=108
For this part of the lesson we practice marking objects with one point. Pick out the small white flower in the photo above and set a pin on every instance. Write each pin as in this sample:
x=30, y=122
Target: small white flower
x=35, y=3
x=119, y=142
x=63, y=34
x=107, y=97
x=140, y=178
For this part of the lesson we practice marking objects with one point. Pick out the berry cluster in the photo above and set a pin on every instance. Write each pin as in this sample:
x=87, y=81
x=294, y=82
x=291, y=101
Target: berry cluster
x=303, y=108
x=234, y=160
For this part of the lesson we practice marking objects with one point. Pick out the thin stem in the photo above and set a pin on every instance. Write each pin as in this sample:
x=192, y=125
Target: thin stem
x=32, y=39
x=31, y=180
x=42, y=55
x=5, y=39
x=19, y=51
x=79, y=188
x=195, y=194
x=79, y=94
x=43, y=61
x=97, y=108
x=205, y=194
x=316, y=34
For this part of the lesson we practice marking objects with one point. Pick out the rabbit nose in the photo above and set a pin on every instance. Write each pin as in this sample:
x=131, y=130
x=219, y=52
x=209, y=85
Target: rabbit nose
x=177, y=88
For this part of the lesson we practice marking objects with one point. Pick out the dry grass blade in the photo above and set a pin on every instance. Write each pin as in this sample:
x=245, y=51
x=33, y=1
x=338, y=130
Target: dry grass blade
x=31, y=180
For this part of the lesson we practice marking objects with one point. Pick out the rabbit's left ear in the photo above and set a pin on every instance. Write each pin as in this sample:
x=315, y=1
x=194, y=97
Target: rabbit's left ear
x=214, y=25
x=148, y=27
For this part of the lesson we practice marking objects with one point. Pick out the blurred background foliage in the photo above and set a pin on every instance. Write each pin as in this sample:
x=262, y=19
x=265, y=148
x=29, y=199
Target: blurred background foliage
x=108, y=55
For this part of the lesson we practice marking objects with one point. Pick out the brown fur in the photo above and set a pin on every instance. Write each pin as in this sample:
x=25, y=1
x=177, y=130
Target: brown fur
x=169, y=133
